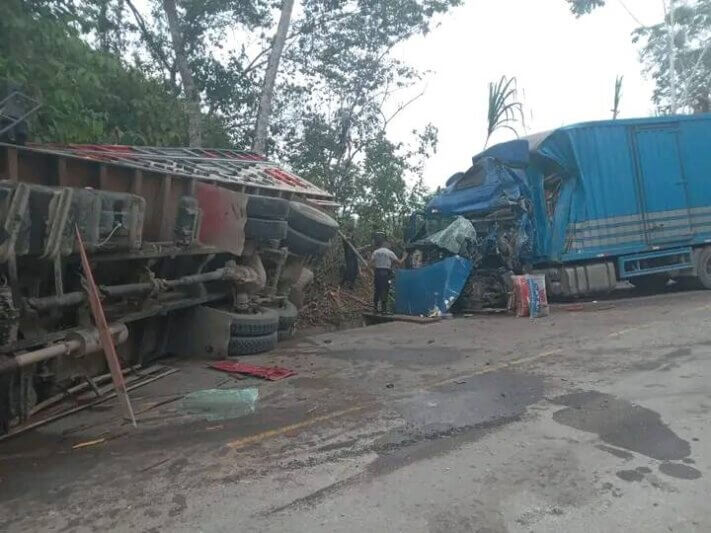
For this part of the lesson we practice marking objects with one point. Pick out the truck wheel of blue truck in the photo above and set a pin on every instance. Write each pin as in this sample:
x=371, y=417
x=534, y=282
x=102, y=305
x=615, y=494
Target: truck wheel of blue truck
x=703, y=267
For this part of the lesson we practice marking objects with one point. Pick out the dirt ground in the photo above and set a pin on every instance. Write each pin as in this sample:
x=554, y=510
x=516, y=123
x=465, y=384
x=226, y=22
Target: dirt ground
x=596, y=420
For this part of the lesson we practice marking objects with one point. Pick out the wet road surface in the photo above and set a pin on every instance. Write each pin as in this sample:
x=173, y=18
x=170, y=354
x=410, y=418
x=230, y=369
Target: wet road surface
x=586, y=421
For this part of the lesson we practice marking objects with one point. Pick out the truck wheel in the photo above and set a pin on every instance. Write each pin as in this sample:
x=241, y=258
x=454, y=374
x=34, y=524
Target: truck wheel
x=259, y=229
x=301, y=244
x=267, y=207
x=287, y=315
x=312, y=222
x=650, y=282
x=262, y=322
x=252, y=345
x=703, y=267
x=285, y=334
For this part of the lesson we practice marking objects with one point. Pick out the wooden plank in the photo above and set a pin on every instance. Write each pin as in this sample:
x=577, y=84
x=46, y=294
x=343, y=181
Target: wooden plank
x=107, y=341
x=98, y=401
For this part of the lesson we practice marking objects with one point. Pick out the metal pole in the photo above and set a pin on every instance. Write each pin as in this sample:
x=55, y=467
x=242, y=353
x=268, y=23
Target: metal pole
x=64, y=347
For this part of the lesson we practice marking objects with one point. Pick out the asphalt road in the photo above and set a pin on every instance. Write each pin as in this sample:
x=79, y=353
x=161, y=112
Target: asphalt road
x=589, y=421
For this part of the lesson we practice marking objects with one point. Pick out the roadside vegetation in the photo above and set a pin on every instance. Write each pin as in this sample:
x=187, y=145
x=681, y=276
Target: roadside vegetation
x=312, y=83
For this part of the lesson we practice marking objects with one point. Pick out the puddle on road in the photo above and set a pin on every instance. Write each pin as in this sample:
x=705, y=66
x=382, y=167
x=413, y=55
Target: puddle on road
x=476, y=400
x=680, y=471
x=628, y=426
x=634, y=475
x=464, y=411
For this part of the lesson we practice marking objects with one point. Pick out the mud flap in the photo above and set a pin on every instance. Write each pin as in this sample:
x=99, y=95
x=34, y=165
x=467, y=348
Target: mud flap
x=201, y=332
x=224, y=214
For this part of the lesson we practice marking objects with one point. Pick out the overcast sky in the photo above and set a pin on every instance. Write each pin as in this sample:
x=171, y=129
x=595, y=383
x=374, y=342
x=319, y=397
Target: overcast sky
x=566, y=69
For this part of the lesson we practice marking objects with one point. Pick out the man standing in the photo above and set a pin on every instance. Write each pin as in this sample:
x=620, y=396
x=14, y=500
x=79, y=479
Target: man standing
x=351, y=268
x=382, y=261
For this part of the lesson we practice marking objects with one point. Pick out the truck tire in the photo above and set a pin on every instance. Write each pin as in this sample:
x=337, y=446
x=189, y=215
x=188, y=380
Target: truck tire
x=267, y=207
x=263, y=322
x=252, y=345
x=287, y=315
x=312, y=222
x=285, y=334
x=703, y=267
x=301, y=244
x=259, y=229
x=650, y=282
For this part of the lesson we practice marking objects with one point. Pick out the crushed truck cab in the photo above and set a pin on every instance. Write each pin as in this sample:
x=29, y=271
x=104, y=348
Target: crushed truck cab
x=592, y=204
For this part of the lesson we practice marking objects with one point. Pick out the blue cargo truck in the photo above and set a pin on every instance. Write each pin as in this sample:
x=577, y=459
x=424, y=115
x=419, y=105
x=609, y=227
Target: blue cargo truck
x=591, y=204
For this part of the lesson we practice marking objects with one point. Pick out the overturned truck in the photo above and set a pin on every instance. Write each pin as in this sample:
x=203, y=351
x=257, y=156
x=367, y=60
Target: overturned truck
x=195, y=251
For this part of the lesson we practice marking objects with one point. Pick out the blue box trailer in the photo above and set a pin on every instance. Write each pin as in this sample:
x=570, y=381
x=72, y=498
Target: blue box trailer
x=591, y=204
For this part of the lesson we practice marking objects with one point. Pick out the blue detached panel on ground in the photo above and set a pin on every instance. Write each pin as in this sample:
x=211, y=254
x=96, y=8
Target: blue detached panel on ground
x=420, y=291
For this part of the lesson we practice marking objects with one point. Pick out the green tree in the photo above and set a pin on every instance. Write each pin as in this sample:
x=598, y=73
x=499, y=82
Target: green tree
x=87, y=95
x=583, y=7
x=675, y=53
x=688, y=86
x=123, y=67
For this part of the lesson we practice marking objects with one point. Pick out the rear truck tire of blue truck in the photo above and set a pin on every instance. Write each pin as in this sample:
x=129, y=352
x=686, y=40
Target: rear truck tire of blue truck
x=703, y=267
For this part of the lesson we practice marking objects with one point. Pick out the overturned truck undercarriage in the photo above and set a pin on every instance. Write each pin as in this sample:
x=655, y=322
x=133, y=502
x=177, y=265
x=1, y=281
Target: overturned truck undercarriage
x=195, y=252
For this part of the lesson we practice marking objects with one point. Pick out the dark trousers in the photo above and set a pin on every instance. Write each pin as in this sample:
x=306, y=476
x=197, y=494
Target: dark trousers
x=381, y=288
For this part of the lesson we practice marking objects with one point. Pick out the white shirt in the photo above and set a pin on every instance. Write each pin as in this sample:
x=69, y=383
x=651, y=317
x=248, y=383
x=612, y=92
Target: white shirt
x=383, y=258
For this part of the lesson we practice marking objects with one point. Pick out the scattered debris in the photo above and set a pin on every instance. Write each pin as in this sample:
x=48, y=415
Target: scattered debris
x=161, y=462
x=88, y=443
x=271, y=373
x=221, y=404
x=593, y=306
x=377, y=318
x=160, y=404
x=165, y=371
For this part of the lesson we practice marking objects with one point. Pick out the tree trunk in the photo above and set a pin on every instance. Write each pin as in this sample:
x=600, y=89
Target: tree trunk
x=265, y=101
x=669, y=14
x=191, y=94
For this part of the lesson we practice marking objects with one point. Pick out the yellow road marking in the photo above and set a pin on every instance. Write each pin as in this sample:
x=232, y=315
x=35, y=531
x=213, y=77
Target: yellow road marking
x=496, y=368
x=241, y=443
x=260, y=437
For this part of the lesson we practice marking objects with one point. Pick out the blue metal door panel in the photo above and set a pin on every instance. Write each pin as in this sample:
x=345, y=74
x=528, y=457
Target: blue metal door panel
x=662, y=185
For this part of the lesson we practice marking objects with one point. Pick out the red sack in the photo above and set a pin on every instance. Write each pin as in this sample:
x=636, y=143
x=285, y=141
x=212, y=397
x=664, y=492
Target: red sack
x=521, y=295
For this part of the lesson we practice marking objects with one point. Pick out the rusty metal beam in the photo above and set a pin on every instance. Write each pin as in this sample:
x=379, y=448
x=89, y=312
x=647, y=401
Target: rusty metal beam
x=107, y=341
